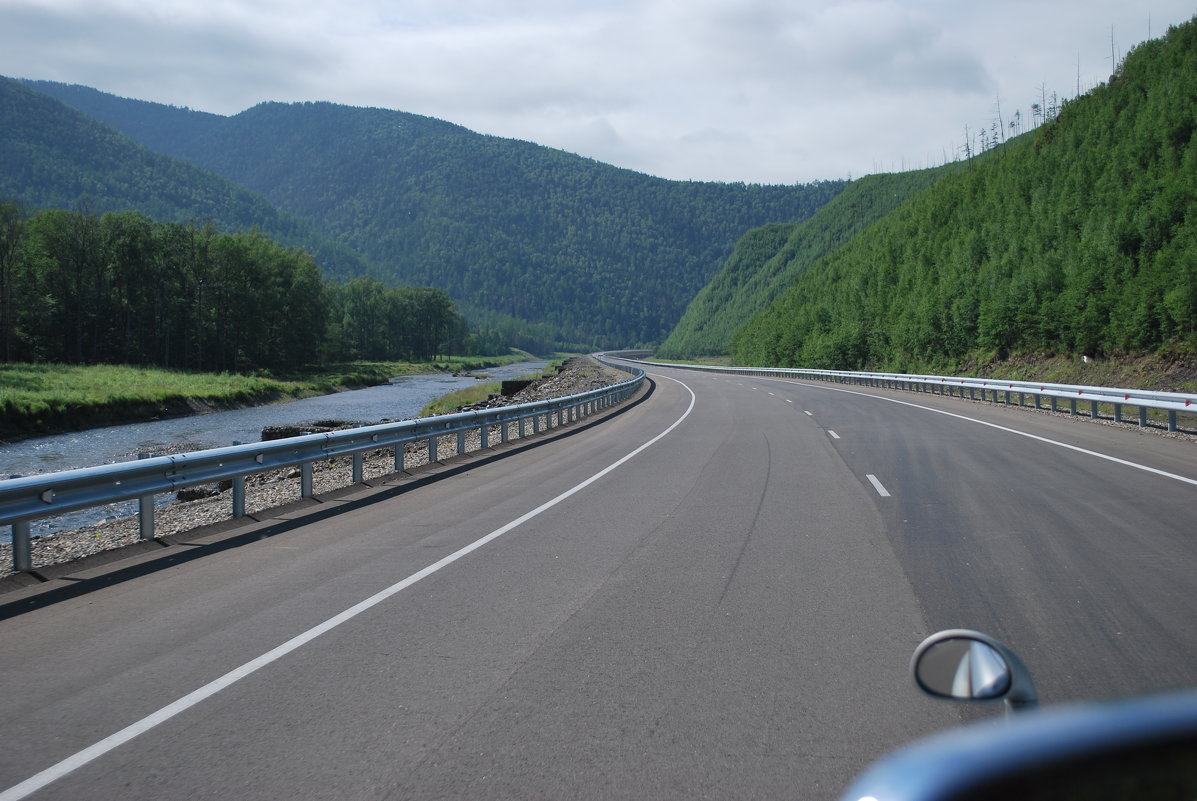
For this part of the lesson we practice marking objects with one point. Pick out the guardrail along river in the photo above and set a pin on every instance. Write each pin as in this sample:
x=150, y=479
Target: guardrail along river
x=401, y=399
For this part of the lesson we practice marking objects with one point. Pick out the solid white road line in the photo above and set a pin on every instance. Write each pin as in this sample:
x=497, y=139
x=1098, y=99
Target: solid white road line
x=114, y=741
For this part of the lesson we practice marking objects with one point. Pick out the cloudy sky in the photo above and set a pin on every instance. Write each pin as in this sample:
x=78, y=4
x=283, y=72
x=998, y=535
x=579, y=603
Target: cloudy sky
x=768, y=91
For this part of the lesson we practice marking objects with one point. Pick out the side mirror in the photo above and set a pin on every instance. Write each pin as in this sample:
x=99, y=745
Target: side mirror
x=967, y=665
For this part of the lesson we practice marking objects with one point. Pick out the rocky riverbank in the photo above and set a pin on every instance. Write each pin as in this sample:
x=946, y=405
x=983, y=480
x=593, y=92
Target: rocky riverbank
x=278, y=488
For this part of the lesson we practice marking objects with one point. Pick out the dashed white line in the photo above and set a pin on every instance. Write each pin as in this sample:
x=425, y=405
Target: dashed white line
x=833, y=434
x=877, y=485
x=808, y=414
x=789, y=401
x=1015, y=431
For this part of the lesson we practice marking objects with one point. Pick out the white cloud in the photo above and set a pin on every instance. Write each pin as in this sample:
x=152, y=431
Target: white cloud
x=754, y=90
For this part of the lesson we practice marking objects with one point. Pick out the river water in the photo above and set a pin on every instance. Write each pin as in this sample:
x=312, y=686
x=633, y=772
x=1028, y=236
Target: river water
x=401, y=399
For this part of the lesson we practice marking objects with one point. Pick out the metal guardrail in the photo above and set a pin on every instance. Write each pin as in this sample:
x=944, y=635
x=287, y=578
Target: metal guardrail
x=997, y=390
x=29, y=498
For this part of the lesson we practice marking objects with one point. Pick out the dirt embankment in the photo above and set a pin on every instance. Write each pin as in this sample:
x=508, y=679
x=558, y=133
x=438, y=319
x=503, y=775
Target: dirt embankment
x=1163, y=372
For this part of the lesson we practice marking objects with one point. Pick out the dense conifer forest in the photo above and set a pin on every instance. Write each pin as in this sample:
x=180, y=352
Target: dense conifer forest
x=1079, y=237
x=767, y=260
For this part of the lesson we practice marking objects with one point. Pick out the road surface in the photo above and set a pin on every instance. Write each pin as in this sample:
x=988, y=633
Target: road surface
x=714, y=593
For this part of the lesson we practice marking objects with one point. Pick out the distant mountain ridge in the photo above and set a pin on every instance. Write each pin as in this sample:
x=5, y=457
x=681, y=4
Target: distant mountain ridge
x=522, y=236
x=53, y=156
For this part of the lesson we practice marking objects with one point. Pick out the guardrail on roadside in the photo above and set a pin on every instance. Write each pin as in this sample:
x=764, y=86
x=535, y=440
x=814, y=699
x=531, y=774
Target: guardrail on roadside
x=29, y=498
x=997, y=390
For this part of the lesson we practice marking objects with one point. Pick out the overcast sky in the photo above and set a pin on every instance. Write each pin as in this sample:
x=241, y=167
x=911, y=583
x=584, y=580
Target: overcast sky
x=768, y=91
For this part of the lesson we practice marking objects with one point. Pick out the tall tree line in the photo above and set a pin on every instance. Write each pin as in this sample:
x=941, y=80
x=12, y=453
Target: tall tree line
x=123, y=288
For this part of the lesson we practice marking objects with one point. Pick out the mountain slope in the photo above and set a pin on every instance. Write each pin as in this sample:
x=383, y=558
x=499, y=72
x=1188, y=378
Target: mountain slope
x=53, y=156
x=1079, y=237
x=514, y=231
x=767, y=260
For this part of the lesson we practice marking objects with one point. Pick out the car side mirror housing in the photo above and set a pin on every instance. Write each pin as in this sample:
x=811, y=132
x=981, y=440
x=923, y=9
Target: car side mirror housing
x=965, y=665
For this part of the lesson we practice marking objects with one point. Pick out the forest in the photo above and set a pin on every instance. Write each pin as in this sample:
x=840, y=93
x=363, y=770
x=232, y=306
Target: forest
x=1078, y=237
x=122, y=288
x=767, y=260
x=532, y=243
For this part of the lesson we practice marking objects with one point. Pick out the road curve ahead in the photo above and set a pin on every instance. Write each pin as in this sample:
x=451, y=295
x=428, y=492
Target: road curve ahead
x=712, y=594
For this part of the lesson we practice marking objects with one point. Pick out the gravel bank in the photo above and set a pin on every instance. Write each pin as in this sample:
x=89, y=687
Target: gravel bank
x=278, y=488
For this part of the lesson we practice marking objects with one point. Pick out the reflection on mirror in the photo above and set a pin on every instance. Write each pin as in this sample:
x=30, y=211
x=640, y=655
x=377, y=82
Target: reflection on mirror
x=964, y=669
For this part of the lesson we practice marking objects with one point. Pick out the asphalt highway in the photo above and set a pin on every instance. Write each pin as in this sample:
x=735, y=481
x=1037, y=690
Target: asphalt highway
x=711, y=594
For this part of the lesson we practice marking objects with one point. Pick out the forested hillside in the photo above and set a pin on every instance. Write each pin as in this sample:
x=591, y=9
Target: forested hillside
x=1079, y=237
x=767, y=260
x=522, y=236
x=53, y=156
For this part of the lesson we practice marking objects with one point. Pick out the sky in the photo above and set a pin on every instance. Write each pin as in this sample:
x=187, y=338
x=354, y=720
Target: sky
x=759, y=91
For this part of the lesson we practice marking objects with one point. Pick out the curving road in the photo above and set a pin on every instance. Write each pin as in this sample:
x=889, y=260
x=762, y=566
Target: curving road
x=713, y=593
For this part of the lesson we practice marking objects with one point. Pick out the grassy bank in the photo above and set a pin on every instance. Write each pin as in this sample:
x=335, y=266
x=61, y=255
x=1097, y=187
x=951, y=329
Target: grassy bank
x=38, y=399
x=447, y=404
x=452, y=401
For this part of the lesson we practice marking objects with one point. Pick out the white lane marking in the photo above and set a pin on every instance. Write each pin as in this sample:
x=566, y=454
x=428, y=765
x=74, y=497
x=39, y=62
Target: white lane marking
x=114, y=741
x=881, y=490
x=833, y=434
x=1008, y=430
x=772, y=394
x=789, y=401
x=809, y=414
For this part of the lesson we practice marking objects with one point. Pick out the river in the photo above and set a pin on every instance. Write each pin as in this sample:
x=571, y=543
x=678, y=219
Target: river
x=401, y=399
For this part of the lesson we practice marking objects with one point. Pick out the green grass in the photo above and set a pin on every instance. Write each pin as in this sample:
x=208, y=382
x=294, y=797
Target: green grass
x=447, y=404
x=62, y=385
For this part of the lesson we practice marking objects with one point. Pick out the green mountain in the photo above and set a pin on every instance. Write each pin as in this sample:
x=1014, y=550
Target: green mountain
x=767, y=260
x=1079, y=237
x=53, y=156
x=519, y=234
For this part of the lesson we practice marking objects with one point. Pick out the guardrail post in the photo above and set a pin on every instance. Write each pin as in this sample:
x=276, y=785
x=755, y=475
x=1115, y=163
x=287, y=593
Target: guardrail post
x=460, y=443
x=145, y=516
x=358, y=460
x=536, y=424
x=1171, y=419
x=1093, y=409
x=1142, y=417
x=1117, y=412
x=484, y=436
x=305, y=480
x=400, y=455
x=145, y=510
x=503, y=435
x=432, y=455
x=239, y=496
x=22, y=549
x=1054, y=404
x=1072, y=405
x=522, y=428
